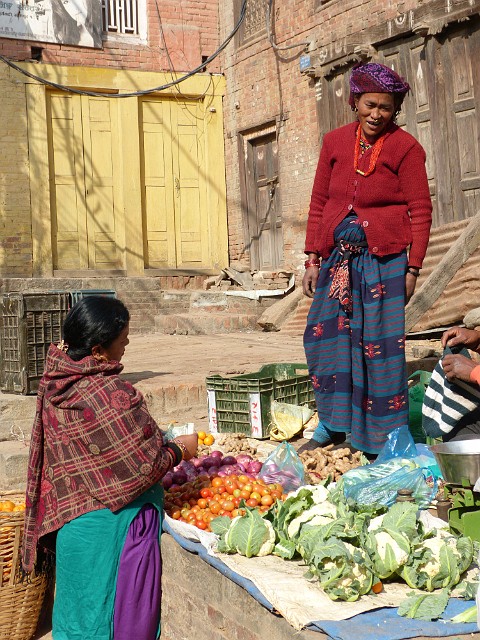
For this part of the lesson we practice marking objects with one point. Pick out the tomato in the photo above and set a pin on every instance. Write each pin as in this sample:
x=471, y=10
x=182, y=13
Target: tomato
x=176, y=514
x=228, y=505
x=202, y=503
x=206, y=493
x=252, y=503
x=248, y=487
x=215, y=507
x=195, y=507
x=237, y=493
x=255, y=496
x=245, y=495
x=236, y=501
x=184, y=512
x=217, y=482
x=200, y=524
x=257, y=487
x=243, y=479
x=191, y=517
x=267, y=500
x=276, y=494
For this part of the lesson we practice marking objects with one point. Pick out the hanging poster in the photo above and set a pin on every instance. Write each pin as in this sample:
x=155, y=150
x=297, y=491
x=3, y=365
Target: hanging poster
x=71, y=22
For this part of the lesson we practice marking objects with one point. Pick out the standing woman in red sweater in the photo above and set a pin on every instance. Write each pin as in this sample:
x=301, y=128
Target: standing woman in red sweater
x=367, y=234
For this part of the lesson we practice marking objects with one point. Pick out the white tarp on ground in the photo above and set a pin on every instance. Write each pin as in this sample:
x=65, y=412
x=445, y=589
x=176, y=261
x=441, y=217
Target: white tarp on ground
x=283, y=583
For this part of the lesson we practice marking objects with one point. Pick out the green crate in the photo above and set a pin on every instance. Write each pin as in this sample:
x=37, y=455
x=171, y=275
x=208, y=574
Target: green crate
x=243, y=404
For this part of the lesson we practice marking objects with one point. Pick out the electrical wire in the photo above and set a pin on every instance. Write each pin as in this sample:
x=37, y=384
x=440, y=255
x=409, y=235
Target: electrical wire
x=134, y=94
x=268, y=19
x=171, y=65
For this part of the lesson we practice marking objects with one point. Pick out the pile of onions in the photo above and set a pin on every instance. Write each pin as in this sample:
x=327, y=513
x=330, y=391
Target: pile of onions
x=214, y=464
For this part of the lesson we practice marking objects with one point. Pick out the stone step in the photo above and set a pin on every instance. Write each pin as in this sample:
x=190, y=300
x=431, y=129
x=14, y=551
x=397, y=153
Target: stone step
x=205, y=323
x=295, y=326
x=13, y=465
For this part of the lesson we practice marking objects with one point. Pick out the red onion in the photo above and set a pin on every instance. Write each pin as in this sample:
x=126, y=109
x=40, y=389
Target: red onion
x=254, y=466
x=216, y=454
x=167, y=480
x=229, y=460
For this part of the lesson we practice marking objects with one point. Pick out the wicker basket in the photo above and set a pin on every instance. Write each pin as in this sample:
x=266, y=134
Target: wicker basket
x=20, y=600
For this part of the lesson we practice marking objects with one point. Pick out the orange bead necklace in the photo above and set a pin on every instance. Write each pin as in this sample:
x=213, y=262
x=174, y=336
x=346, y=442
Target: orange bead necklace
x=377, y=147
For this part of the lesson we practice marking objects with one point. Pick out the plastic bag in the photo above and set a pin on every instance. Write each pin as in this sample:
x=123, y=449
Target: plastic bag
x=283, y=466
x=416, y=393
x=288, y=420
x=399, y=444
x=394, y=469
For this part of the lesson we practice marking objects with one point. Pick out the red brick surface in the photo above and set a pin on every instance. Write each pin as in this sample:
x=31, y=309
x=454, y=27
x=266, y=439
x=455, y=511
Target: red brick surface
x=190, y=29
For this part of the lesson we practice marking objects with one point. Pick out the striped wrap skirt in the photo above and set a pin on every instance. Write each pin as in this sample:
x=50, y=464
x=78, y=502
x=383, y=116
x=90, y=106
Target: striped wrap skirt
x=356, y=357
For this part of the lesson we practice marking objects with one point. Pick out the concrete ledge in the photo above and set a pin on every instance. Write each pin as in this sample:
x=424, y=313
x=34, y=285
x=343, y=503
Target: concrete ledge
x=13, y=465
x=199, y=602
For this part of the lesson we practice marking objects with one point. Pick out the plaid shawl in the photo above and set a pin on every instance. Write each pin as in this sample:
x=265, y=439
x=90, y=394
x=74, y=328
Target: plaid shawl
x=94, y=445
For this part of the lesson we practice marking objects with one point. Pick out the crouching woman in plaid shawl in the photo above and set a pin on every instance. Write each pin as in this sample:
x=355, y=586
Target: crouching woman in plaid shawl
x=96, y=459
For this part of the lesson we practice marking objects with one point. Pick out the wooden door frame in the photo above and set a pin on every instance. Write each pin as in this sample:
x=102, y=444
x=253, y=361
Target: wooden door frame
x=246, y=138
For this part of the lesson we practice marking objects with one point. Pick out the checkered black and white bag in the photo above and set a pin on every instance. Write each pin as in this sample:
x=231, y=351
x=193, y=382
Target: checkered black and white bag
x=445, y=403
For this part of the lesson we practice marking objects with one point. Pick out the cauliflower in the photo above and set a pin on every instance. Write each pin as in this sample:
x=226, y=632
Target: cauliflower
x=323, y=514
x=438, y=562
x=388, y=550
x=249, y=535
x=341, y=569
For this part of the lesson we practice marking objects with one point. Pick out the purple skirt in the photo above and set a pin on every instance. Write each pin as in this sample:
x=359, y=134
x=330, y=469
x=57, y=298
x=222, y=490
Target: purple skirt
x=139, y=591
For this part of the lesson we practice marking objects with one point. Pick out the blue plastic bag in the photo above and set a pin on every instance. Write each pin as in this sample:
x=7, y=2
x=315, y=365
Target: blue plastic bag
x=395, y=468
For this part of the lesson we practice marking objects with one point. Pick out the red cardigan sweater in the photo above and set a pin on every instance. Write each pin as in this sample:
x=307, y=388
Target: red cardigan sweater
x=393, y=203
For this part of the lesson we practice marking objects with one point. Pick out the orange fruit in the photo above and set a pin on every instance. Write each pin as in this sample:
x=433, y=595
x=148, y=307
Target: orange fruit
x=202, y=435
x=208, y=440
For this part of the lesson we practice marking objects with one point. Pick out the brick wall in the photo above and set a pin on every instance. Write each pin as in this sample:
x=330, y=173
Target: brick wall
x=197, y=596
x=190, y=28
x=15, y=226
x=264, y=86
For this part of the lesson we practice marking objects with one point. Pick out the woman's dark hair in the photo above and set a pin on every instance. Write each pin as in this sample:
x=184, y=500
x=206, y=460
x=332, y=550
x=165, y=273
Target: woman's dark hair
x=94, y=320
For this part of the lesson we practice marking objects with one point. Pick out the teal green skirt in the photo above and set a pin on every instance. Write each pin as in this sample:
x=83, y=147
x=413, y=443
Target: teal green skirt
x=87, y=560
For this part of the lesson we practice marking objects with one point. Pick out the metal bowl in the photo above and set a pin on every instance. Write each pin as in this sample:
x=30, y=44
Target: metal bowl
x=459, y=461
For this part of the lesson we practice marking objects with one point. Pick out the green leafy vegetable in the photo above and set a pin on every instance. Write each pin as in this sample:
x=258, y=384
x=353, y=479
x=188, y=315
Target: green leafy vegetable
x=249, y=535
x=469, y=615
x=388, y=549
x=424, y=606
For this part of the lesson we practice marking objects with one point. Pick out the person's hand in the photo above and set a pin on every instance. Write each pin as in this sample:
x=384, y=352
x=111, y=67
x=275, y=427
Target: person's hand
x=457, y=367
x=309, y=282
x=410, y=284
x=191, y=444
x=460, y=336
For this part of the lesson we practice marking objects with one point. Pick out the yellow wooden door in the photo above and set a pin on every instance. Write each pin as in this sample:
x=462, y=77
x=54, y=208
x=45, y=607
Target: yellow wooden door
x=102, y=153
x=191, y=219
x=175, y=210
x=87, y=222
x=157, y=177
x=67, y=183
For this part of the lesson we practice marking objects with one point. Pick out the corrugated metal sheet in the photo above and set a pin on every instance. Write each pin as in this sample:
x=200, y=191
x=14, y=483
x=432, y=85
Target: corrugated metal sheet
x=462, y=293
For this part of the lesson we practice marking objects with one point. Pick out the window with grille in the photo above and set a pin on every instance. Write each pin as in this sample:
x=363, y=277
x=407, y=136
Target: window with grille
x=254, y=24
x=121, y=16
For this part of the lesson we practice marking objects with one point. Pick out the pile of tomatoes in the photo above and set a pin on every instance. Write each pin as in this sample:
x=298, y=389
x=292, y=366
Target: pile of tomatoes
x=201, y=501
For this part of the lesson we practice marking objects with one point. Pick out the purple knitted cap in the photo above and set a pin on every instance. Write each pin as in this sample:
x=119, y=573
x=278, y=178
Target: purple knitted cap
x=373, y=77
